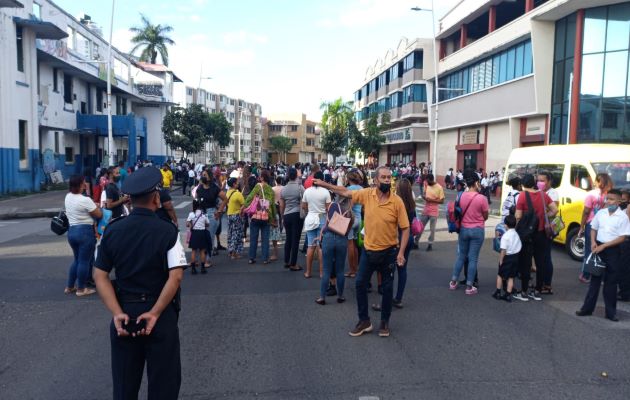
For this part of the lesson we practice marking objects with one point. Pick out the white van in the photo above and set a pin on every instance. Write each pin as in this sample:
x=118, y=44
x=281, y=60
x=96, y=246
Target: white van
x=574, y=168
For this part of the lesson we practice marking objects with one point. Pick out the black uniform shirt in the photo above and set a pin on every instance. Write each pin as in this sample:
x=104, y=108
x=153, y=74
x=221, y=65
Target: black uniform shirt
x=141, y=248
x=165, y=195
x=112, y=192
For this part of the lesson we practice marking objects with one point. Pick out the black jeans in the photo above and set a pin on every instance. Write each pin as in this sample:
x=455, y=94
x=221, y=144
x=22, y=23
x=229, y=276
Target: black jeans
x=624, y=271
x=612, y=258
x=293, y=230
x=384, y=262
x=536, y=248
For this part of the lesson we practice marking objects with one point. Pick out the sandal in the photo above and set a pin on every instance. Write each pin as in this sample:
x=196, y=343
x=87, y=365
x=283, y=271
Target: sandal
x=546, y=290
x=69, y=290
x=307, y=276
x=295, y=268
x=251, y=261
x=349, y=275
x=320, y=301
x=376, y=307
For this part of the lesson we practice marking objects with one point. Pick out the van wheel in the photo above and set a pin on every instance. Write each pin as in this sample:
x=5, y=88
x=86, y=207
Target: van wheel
x=575, y=244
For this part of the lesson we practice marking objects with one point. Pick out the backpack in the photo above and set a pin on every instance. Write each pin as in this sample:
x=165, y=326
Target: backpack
x=454, y=214
x=510, y=203
x=528, y=224
x=499, y=230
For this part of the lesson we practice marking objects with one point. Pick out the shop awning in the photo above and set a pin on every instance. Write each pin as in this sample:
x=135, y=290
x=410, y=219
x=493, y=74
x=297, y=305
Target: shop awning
x=42, y=29
x=11, y=3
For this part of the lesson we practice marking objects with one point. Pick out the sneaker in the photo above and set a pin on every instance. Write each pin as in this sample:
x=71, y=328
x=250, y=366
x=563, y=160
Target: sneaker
x=472, y=290
x=507, y=297
x=383, y=330
x=361, y=328
x=534, y=295
x=430, y=247
x=496, y=295
x=520, y=296
x=452, y=285
x=332, y=291
x=85, y=292
x=397, y=303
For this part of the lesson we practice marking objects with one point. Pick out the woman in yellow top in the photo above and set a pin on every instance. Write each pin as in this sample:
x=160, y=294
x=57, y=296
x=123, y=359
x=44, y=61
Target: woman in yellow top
x=167, y=176
x=235, y=201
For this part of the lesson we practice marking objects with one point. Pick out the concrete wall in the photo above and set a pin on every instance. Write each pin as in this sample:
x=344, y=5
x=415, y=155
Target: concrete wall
x=446, y=151
x=499, y=145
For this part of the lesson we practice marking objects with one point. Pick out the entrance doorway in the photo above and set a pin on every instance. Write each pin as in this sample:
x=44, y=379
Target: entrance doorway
x=470, y=159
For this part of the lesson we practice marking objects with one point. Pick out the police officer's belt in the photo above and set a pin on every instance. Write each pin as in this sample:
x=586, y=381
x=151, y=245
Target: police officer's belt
x=135, y=298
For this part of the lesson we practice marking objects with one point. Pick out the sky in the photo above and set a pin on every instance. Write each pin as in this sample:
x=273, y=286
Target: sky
x=286, y=55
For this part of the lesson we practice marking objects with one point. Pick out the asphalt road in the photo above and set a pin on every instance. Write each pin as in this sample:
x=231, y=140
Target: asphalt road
x=254, y=331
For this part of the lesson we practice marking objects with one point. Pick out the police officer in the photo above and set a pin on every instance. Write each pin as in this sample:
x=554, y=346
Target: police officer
x=148, y=260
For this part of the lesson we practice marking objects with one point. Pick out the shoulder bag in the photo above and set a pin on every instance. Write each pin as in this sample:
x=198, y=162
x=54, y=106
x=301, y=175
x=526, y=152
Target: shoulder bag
x=339, y=223
x=262, y=211
x=189, y=231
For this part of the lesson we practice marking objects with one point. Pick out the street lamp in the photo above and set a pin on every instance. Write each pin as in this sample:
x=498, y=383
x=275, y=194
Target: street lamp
x=436, y=92
x=110, y=133
x=201, y=78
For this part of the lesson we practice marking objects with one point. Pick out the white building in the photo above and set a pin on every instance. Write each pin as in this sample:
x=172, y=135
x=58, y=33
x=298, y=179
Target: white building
x=245, y=118
x=53, y=101
x=397, y=84
x=530, y=72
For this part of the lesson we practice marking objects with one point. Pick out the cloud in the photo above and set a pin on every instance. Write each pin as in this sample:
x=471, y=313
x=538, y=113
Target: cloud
x=243, y=37
x=121, y=39
x=195, y=18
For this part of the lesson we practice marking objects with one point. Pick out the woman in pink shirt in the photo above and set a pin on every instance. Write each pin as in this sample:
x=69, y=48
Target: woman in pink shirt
x=474, y=208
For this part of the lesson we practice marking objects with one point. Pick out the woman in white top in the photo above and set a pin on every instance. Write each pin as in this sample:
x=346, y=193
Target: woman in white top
x=81, y=212
x=316, y=201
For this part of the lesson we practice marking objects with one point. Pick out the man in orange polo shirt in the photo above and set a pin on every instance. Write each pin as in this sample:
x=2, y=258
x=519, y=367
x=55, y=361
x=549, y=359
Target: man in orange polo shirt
x=385, y=215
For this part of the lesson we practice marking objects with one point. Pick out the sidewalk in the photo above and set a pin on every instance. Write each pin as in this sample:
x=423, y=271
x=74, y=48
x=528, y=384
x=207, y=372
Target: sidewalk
x=37, y=205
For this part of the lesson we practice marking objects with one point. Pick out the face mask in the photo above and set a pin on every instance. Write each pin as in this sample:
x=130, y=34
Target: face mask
x=541, y=185
x=384, y=187
x=612, y=208
x=623, y=205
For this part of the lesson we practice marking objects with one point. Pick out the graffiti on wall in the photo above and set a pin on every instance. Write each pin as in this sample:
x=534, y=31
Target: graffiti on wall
x=56, y=48
x=149, y=89
x=48, y=161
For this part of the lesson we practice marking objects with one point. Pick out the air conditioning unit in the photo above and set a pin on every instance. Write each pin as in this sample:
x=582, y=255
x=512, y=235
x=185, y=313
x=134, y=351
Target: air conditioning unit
x=424, y=107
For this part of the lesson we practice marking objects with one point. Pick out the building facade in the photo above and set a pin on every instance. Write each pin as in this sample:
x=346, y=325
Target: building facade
x=245, y=117
x=304, y=135
x=53, y=101
x=530, y=72
x=397, y=84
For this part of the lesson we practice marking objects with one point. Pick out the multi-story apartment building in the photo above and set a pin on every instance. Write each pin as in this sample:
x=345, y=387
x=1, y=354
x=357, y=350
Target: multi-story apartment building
x=304, y=135
x=244, y=116
x=530, y=72
x=397, y=84
x=53, y=101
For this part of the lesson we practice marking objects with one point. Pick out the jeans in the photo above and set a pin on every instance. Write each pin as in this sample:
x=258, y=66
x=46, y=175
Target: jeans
x=470, y=241
x=335, y=249
x=257, y=227
x=587, y=249
x=612, y=257
x=432, y=221
x=402, y=272
x=384, y=262
x=624, y=272
x=82, y=241
x=212, y=228
x=293, y=230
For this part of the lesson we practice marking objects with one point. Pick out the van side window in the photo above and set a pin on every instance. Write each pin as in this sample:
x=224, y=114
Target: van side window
x=580, y=177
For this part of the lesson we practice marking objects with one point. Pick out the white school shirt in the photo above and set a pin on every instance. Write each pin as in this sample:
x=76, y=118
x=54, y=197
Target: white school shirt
x=510, y=242
x=200, y=225
x=553, y=194
x=610, y=227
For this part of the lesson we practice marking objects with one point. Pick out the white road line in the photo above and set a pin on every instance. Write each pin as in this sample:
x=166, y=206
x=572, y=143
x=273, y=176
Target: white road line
x=183, y=204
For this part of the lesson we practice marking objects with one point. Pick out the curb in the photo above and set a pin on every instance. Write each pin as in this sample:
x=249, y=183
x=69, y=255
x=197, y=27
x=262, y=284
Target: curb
x=29, y=214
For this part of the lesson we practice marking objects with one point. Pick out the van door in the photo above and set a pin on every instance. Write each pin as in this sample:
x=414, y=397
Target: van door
x=577, y=181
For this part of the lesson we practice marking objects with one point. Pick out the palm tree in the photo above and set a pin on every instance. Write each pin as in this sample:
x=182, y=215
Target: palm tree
x=154, y=40
x=335, y=122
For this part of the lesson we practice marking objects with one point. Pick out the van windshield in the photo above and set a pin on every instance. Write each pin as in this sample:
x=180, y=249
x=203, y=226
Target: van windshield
x=520, y=170
x=619, y=172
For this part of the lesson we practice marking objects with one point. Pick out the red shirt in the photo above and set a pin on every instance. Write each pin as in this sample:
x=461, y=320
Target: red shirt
x=521, y=204
x=309, y=182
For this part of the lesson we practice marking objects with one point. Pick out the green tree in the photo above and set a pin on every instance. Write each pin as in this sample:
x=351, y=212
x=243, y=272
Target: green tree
x=153, y=39
x=188, y=129
x=282, y=145
x=335, y=121
x=372, y=137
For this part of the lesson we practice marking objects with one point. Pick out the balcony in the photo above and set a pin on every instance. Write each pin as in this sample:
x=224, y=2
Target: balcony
x=394, y=84
x=122, y=125
x=412, y=75
x=394, y=113
x=381, y=92
x=413, y=108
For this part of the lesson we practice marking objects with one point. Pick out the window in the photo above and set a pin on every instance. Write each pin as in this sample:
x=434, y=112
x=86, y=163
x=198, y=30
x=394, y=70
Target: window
x=121, y=106
x=23, y=139
x=373, y=86
x=56, y=142
x=364, y=91
x=37, y=10
x=70, y=40
x=56, y=80
x=395, y=100
x=19, y=42
x=95, y=52
x=84, y=107
x=310, y=142
x=67, y=89
x=413, y=60
x=83, y=46
x=99, y=100
x=69, y=155
x=414, y=93
x=383, y=79
x=190, y=92
x=394, y=72
x=580, y=178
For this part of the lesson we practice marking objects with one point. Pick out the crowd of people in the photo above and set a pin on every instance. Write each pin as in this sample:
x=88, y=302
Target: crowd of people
x=354, y=222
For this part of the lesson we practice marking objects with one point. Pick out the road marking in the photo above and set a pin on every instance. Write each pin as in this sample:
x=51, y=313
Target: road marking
x=6, y=223
x=183, y=204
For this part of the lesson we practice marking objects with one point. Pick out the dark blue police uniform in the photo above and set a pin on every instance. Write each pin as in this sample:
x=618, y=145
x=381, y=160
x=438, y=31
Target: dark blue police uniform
x=140, y=249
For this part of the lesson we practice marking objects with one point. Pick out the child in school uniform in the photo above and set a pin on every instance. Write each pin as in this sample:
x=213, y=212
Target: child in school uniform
x=508, y=260
x=197, y=222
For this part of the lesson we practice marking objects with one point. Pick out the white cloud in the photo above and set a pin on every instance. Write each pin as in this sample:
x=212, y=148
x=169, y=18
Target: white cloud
x=195, y=18
x=243, y=37
x=121, y=39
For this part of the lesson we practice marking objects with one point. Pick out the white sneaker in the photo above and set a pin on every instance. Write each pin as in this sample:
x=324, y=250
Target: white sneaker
x=520, y=296
x=532, y=295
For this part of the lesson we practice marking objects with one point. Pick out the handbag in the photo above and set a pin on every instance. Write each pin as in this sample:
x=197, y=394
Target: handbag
x=339, y=223
x=417, y=227
x=549, y=232
x=557, y=224
x=594, y=265
x=262, y=210
x=59, y=223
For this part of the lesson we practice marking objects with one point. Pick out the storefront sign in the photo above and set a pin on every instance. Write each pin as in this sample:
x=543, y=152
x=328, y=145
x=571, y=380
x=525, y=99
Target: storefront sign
x=398, y=136
x=535, y=130
x=470, y=137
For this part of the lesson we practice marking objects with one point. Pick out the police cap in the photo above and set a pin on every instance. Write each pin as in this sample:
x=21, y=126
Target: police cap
x=142, y=181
